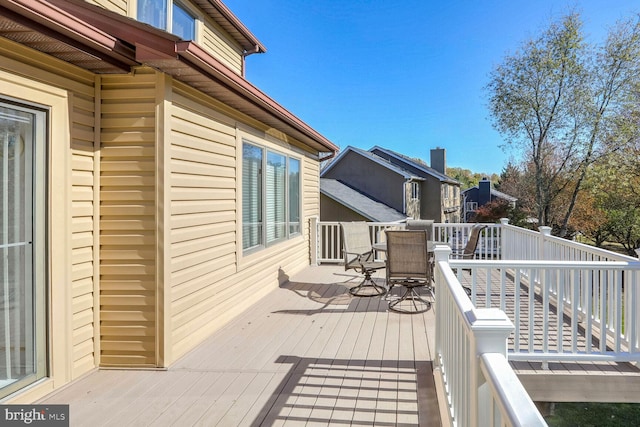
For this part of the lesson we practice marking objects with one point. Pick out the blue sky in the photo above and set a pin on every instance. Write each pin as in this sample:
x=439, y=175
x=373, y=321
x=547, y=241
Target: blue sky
x=406, y=75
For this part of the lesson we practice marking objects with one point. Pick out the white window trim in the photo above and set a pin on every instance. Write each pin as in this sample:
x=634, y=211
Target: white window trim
x=288, y=235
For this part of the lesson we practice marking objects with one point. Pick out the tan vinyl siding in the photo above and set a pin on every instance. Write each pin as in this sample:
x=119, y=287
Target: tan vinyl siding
x=216, y=41
x=118, y=6
x=208, y=286
x=83, y=231
x=80, y=151
x=128, y=223
x=203, y=197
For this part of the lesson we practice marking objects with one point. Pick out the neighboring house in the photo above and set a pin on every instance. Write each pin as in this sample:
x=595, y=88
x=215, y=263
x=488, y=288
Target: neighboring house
x=440, y=194
x=406, y=185
x=149, y=192
x=480, y=195
x=378, y=179
x=339, y=202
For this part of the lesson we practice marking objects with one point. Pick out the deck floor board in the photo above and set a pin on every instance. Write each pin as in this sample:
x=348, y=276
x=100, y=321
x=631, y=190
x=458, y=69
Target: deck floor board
x=308, y=353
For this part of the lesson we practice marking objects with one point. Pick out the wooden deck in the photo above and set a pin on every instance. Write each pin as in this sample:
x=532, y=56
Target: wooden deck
x=307, y=354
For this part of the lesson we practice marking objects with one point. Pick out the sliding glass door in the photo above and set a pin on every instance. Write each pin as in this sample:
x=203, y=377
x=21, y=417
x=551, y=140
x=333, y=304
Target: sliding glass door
x=22, y=246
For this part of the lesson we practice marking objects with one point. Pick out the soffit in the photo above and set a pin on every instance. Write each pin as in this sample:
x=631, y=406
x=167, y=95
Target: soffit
x=48, y=29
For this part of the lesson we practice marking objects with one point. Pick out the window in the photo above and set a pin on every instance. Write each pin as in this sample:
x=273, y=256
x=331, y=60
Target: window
x=270, y=200
x=156, y=12
x=415, y=191
x=294, y=196
x=183, y=24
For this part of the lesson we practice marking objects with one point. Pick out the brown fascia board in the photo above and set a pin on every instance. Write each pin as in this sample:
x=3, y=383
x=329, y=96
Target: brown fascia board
x=46, y=18
x=119, y=26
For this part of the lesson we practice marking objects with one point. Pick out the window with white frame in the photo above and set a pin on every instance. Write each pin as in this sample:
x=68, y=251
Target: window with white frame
x=168, y=15
x=270, y=196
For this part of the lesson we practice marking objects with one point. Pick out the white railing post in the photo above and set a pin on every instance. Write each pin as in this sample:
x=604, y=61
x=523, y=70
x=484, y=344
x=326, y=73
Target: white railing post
x=491, y=327
x=544, y=233
x=313, y=239
x=505, y=241
x=440, y=253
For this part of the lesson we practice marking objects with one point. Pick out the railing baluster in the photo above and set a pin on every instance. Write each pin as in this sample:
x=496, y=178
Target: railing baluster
x=575, y=313
x=530, y=344
x=545, y=286
x=516, y=315
x=559, y=317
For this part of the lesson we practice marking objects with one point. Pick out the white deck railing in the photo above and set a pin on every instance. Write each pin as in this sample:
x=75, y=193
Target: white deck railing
x=328, y=243
x=471, y=347
x=597, y=290
x=554, y=305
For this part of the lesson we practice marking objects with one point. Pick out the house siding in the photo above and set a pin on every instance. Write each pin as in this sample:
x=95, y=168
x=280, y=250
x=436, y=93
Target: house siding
x=128, y=222
x=356, y=171
x=211, y=36
x=75, y=255
x=334, y=211
x=210, y=280
x=216, y=41
x=118, y=6
x=431, y=199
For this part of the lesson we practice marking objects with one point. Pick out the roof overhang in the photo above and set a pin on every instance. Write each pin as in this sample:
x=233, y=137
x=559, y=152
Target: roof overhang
x=42, y=26
x=105, y=42
x=221, y=14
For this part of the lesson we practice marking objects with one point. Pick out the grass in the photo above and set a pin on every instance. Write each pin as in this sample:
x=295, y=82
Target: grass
x=594, y=415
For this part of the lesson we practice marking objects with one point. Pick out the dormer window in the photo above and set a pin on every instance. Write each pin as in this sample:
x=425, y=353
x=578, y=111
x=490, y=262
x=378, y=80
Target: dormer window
x=179, y=22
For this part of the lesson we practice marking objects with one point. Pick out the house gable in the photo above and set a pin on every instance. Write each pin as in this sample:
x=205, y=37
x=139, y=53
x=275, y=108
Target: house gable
x=371, y=175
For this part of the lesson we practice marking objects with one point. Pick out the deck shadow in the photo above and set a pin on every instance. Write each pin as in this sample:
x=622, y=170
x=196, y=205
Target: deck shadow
x=354, y=392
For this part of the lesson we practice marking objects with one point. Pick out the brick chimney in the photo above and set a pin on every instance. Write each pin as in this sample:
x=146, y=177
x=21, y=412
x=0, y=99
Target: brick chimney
x=438, y=160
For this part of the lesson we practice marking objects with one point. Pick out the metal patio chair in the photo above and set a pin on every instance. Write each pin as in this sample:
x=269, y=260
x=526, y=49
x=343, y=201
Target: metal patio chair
x=421, y=224
x=359, y=256
x=408, y=266
x=469, y=249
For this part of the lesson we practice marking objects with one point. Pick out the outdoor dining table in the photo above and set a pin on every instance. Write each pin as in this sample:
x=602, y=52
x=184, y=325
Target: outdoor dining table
x=431, y=245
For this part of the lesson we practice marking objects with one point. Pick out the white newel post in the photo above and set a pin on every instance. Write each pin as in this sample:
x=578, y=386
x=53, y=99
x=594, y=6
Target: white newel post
x=313, y=240
x=491, y=327
x=544, y=233
x=440, y=253
x=505, y=241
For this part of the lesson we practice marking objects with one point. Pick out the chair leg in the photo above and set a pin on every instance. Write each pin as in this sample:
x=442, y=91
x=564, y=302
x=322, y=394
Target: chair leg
x=410, y=295
x=367, y=288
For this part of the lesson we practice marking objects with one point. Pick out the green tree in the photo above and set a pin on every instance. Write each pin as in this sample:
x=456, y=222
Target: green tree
x=468, y=178
x=567, y=104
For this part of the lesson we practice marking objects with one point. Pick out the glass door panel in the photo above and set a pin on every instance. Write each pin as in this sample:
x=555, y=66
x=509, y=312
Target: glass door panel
x=22, y=341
